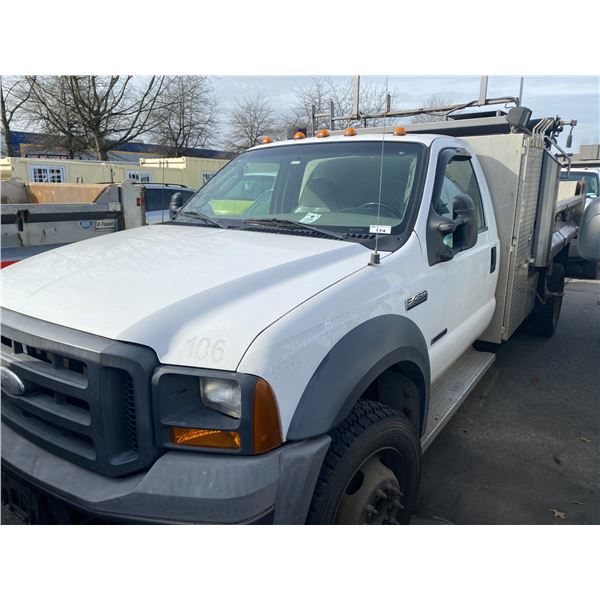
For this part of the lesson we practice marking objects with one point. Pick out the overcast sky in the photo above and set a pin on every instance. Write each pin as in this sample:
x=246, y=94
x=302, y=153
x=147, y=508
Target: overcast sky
x=569, y=97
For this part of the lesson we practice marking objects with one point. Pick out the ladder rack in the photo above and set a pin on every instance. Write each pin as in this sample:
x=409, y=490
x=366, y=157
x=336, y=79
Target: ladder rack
x=447, y=110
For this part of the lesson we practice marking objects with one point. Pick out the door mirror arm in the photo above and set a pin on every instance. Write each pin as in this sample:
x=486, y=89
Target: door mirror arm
x=451, y=226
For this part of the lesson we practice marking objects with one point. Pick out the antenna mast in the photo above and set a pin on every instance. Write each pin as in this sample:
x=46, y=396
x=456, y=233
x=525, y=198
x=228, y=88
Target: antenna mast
x=375, y=258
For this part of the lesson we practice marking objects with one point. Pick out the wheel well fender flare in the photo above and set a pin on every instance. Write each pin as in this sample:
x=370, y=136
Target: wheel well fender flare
x=353, y=363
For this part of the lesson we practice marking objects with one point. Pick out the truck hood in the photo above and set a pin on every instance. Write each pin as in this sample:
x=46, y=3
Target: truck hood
x=198, y=296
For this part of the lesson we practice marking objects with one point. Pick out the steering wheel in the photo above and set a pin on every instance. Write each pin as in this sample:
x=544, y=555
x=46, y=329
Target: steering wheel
x=393, y=212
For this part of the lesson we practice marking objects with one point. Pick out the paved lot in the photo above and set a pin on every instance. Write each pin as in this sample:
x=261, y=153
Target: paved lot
x=527, y=441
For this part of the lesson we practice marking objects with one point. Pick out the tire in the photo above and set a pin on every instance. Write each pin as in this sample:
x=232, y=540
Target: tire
x=371, y=472
x=589, y=269
x=545, y=320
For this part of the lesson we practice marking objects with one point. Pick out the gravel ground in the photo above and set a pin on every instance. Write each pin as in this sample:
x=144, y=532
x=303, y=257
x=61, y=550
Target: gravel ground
x=525, y=446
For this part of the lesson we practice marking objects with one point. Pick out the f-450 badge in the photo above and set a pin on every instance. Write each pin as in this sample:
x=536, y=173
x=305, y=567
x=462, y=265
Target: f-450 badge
x=415, y=300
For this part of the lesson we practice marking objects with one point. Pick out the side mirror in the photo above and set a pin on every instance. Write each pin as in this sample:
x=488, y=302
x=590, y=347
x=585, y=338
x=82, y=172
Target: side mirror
x=463, y=227
x=465, y=216
x=588, y=237
x=176, y=204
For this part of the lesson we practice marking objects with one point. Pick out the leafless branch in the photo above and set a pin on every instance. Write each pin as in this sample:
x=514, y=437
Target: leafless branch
x=251, y=119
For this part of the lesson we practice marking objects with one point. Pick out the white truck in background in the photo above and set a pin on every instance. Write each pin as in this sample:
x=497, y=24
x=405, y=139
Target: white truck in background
x=591, y=177
x=286, y=361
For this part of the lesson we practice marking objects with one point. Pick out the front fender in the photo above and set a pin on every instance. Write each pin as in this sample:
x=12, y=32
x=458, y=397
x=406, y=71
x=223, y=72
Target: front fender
x=348, y=369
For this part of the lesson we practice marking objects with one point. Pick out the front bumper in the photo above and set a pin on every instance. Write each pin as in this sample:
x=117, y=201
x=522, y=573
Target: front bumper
x=180, y=487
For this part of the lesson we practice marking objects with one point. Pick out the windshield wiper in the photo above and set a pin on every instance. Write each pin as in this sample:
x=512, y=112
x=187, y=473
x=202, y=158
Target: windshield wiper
x=202, y=217
x=286, y=223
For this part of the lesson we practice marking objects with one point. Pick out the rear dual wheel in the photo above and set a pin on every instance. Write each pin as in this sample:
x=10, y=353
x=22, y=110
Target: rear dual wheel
x=370, y=475
x=544, y=321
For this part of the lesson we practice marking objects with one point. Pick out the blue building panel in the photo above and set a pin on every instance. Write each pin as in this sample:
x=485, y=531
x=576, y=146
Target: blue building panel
x=35, y=145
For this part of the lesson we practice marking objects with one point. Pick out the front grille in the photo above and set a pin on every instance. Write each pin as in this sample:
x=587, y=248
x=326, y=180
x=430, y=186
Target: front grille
x=130, y=412
x=86, y=398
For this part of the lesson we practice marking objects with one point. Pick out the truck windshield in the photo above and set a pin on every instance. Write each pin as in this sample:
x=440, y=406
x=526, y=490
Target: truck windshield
x=330, y=185
x=590, y=178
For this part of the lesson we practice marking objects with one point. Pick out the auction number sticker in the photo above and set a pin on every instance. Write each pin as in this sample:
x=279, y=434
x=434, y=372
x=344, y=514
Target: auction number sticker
x=385, y=229
x=310, y=218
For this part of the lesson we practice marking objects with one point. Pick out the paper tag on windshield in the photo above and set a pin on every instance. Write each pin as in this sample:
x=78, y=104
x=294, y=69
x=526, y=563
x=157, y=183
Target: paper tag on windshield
x=386, y=229
x=309, y=218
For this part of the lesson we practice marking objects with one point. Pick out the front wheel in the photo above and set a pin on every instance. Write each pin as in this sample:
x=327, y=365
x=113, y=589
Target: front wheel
x=370, y=475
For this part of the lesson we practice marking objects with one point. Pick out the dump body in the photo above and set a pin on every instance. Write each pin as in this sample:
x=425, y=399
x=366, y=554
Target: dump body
x=38, y=217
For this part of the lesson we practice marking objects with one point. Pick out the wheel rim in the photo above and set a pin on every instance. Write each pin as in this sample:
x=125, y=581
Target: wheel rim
x=374, y=495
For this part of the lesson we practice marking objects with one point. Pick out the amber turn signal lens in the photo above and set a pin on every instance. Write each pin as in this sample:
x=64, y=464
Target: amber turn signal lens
x=399, y=131
x=266, y=429
x=209, y=438
x=323, y=133
x=267, y=140
x=299, y=135
x=350, y=131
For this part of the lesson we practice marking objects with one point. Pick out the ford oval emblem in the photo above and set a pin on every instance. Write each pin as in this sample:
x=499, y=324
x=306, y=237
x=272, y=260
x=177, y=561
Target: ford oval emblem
x=11, y=383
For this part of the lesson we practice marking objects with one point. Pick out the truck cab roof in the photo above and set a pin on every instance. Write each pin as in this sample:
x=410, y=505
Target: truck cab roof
x=426, y=139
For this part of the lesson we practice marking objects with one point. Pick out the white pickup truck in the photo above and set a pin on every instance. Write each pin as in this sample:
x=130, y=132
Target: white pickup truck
x=285, y=360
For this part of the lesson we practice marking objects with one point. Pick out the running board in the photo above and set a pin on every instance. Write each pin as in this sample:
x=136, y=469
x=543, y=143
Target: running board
x=451, y=390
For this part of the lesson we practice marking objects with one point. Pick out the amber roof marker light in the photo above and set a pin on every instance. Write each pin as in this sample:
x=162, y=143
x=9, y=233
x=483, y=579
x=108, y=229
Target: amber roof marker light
x=399, y=131
x=350, y=131
x=299, y=135
x=266, y=140
x=323, y=133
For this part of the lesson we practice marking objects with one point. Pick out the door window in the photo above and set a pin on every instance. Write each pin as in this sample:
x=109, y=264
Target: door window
x=459, y=178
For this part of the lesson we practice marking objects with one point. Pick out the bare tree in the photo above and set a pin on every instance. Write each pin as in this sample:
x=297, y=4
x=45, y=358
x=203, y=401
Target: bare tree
x=321, y=91
x=187, y=115
x=437, y=101
x=251, y=119
x=108, y=111
x=50, y=111
x=318, y=92
x=14, y=93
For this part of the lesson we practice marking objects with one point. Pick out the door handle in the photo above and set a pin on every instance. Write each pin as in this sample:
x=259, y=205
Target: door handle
x=493, y=260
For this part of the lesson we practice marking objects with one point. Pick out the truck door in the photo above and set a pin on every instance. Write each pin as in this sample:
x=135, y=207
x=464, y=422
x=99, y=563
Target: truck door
x=474, y=269
x=463, y=281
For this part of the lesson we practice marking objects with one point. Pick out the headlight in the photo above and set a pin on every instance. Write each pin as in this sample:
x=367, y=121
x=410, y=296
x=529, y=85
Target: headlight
x=214, y=411
x=222, y=395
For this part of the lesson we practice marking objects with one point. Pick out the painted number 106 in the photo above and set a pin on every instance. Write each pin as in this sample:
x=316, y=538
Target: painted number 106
x=201, y=348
